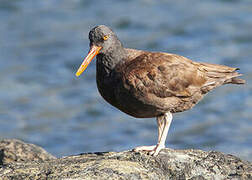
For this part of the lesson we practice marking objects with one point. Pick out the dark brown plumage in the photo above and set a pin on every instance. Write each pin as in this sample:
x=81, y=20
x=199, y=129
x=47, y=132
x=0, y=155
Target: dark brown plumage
x=151, y=84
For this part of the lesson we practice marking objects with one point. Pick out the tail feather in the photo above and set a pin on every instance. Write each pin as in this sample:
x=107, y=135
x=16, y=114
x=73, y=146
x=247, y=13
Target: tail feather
x=220, y=74
x=235, y=80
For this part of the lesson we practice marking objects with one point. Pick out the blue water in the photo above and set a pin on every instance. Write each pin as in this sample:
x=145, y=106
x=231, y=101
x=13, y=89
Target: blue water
x=42, y=43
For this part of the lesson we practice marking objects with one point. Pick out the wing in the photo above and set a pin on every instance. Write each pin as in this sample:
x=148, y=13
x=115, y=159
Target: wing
x=168, y=82
x=162, y=75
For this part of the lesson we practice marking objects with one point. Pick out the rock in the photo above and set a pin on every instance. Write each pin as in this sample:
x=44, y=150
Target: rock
x=169, y=164
x=13, y=150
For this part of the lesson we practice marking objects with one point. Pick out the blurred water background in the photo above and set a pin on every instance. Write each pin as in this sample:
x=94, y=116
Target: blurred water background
x=42, y=43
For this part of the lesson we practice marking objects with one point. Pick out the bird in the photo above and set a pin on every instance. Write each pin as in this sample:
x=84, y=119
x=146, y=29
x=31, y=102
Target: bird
x=146, y=84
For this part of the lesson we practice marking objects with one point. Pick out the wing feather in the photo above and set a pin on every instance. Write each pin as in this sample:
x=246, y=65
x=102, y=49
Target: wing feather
x=163, y=75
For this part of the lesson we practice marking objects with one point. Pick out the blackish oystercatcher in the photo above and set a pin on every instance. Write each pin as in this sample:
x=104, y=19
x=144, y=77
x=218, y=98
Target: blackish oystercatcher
x=151, y=84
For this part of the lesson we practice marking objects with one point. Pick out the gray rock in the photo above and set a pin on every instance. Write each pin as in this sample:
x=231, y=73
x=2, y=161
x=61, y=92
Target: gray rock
x=13, y=150
x=169, y=164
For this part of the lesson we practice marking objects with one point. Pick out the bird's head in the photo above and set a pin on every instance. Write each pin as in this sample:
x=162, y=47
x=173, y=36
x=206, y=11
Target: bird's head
x=102, y=40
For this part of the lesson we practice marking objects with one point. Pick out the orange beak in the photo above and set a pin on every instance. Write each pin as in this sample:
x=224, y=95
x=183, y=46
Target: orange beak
x=94, y=50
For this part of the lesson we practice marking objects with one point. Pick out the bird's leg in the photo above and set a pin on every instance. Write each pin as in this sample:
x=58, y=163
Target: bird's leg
x=160, y=123
x=163, y=127
x=152, y=148
x=163, y=123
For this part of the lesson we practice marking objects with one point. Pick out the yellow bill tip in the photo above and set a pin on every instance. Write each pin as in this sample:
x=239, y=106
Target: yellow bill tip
x=77, y=74
x=80, y=70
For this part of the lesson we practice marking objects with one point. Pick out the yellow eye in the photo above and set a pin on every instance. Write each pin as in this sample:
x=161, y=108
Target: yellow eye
x=105, y=37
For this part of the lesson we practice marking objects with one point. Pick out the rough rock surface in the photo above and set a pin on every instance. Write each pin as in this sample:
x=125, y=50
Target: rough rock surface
x=13, y=150
x=169, y=164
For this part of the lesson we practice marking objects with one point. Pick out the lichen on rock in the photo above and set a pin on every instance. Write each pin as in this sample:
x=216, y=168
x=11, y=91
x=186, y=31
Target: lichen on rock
x=169, y=164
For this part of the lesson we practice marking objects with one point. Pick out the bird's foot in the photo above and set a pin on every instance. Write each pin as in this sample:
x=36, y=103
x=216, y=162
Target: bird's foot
x=152, y=150
x=144, y=148
x=157, y=149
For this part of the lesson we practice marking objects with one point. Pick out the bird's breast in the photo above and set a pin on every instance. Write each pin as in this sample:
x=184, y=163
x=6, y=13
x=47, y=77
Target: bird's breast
x=106, y=83
x=113, y=89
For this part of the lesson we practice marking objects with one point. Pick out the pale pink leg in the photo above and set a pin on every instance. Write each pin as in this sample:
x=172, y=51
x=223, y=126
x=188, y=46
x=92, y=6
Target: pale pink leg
x=167, y=119
x=152, y=148
x=163, y=127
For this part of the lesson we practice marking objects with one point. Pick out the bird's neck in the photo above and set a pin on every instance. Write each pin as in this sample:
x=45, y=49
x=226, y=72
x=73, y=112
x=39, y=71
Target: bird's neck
x=111, y=59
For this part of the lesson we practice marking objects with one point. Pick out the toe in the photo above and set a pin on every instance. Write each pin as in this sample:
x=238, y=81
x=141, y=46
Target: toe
x=144, y=148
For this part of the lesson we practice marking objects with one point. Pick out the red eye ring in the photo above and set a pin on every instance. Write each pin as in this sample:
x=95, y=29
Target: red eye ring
x=105, y=37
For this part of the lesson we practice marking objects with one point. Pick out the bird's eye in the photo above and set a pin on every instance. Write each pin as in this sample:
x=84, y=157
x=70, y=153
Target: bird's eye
x=105, y=37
